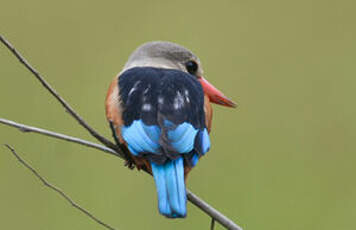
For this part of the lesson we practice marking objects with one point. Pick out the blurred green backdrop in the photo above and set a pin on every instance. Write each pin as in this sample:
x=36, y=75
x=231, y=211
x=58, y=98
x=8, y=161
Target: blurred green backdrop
x=283, y=160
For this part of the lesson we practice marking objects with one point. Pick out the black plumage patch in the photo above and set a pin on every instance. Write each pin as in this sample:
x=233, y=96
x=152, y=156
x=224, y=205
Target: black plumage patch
x=152, y=94
x=166, y=98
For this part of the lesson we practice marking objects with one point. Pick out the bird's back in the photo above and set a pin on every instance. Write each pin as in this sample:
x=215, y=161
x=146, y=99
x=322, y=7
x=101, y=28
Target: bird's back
x=167, y=106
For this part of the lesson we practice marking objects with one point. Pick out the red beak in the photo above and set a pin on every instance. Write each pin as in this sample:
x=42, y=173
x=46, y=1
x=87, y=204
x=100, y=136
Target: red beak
x=215, y=95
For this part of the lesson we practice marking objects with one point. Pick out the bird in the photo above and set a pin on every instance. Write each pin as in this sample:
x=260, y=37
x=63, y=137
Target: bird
x=159, y=110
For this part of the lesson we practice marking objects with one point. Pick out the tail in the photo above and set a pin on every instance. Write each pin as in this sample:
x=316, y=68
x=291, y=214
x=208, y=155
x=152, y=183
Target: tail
x=169, y=178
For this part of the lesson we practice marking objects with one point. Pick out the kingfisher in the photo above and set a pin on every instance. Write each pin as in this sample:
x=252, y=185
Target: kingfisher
x=159, y=110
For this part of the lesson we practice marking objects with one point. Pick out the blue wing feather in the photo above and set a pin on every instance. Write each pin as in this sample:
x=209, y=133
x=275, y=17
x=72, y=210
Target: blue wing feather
x=141, y=138
x=202, y=142
x=182, y=137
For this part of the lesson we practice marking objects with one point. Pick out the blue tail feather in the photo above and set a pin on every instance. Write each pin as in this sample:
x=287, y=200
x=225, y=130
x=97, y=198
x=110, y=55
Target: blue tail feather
x=169, y=179
x=160, y=180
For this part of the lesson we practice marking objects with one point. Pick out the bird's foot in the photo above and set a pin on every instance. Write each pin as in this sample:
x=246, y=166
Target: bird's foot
x=130, y=163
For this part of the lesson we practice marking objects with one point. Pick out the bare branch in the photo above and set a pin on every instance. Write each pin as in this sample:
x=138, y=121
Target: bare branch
x=26, y=128
x=58, y=190
x=215, y=214
x=194, y=199
x=52, y=91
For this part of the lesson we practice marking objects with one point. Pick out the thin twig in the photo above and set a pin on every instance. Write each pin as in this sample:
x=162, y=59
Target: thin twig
x=194, y=199
x=212, y=212
x=26, y=128
x=68, y=108
x=212, y=224
x=58, y=190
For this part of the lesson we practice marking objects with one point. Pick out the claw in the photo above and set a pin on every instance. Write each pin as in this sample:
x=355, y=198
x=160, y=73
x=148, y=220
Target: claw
x=130, y=164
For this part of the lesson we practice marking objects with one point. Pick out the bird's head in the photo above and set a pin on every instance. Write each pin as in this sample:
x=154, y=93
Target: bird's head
x=168, y=55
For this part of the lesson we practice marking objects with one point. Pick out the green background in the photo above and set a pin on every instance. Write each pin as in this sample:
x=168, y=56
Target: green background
x=284, y=159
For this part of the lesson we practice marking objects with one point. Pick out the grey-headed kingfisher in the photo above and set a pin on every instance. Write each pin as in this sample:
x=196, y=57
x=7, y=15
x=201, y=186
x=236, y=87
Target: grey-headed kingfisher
x=159, y=109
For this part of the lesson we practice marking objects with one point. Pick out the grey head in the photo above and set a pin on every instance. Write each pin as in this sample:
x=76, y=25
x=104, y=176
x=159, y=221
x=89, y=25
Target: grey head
x=169, y=55
x=162, y=54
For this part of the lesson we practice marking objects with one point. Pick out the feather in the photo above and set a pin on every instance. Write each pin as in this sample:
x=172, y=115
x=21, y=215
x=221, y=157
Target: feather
x=169, y=179
x=182, y=137
x=141, y=138
x=202, y=142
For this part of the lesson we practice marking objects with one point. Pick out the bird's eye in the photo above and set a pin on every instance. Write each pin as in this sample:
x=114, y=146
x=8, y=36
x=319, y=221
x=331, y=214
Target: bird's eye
x=192, y=67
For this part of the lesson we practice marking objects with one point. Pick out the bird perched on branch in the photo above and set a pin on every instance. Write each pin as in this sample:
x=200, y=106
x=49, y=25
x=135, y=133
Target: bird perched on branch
x=159, y=109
